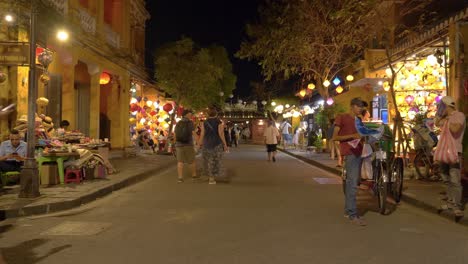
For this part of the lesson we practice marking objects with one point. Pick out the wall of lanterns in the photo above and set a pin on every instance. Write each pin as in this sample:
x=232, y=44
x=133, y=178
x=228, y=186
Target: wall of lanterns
x=419, y=86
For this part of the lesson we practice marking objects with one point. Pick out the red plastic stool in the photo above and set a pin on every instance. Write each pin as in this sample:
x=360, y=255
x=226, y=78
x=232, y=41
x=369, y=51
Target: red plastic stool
x=73, y=175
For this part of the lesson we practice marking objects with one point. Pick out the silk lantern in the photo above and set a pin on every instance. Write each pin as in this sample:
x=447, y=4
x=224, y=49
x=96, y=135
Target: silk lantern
x=400, y=99
x=409, y=99
x=104, y=78
x=167, y=107
x=302, y=93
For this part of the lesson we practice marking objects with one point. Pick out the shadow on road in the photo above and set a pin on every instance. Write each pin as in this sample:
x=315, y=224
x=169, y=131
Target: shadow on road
x=23, y=253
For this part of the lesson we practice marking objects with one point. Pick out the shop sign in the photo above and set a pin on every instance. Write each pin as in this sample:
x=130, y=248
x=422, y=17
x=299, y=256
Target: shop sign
x=14, y=53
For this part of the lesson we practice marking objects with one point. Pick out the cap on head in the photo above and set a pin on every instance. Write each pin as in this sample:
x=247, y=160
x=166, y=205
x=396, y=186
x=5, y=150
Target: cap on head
x=448, y=101
x=358, y=102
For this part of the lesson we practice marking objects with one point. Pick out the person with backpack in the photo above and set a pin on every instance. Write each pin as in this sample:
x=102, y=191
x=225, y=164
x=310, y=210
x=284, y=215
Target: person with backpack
x=213, y=143
x=184, y=134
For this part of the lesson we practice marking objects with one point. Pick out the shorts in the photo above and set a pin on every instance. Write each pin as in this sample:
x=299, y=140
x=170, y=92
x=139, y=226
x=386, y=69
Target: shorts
x=271, y=147
x=287, y=137
x=185, y=154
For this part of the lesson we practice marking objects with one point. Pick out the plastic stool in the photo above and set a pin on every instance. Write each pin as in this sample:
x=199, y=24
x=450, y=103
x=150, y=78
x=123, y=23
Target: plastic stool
x=72, y=175
x=6, y=175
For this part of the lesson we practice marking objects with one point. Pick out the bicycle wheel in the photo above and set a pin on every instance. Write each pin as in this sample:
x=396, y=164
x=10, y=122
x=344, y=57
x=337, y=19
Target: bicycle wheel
x=422, y=165
x=397, y=179
x=382, y=187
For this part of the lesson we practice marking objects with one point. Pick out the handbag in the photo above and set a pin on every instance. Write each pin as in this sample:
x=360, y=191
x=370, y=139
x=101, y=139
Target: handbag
x=366, y=150
x=446, y=151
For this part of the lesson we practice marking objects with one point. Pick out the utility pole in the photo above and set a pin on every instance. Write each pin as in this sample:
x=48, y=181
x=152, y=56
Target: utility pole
x=29, y=179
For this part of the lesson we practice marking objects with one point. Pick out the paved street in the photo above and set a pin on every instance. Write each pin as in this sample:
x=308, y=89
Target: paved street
x=283, y=212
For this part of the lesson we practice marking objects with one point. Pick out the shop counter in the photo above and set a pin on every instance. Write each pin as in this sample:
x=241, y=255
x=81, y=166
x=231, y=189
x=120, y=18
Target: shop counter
x=59, y=158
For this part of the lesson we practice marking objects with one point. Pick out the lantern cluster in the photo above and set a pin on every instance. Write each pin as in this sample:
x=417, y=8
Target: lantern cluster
x=418, y=87
x=153, y=116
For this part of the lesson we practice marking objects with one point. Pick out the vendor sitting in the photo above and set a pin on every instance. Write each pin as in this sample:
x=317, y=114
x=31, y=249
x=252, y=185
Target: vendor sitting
x=12, y=153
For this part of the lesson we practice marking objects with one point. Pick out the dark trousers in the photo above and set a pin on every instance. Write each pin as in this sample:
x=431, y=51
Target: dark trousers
x=10, y=165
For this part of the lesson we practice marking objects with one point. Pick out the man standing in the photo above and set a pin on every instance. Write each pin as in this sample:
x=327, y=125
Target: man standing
x=185, y=151
x=285, y=132
x=454, y=121
x=345, y=132
x=12, y=152
x=271, y=135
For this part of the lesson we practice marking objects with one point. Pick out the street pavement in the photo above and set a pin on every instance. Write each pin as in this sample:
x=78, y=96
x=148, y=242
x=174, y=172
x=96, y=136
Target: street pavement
x=283, y=212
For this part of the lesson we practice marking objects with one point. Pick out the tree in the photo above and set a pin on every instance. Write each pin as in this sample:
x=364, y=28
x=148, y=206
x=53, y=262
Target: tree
x=314, y=39
x=193, y=76
x=188, y=74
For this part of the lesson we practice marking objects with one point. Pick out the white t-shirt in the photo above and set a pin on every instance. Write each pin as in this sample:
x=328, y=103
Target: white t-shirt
x=285, y=128
x=271, y=135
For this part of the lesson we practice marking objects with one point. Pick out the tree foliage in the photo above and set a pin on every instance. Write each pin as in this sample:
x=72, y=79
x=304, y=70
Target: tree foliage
x=314, y=39
x=194, y=76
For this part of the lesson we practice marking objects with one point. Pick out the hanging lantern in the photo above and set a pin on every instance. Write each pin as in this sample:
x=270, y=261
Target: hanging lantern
x=44, y=79
x=134, y=107
x=420, y=100
x=411, y=114
x=3, y=77
x=409, y=99
x=438, y=98
x=167, y=107
x=45, y=58
x=350, y=78
x=149, y=103
x=326, y=83
x=336, y=81
x=311, y=86
x=133, y=101
x=302, y=93
x=400, y=99
x=153, y=113
x=330, y=101
x=339, y=89
x=104, y=78
x=429, y=100
x=131, y=120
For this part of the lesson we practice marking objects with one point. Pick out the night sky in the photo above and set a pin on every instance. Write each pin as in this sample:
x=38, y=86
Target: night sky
x=207, y=22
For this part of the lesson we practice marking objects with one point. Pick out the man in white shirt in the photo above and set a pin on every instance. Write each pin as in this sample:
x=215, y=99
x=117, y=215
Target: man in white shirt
x=12, y=153
x=271, y=135
x=285, y=127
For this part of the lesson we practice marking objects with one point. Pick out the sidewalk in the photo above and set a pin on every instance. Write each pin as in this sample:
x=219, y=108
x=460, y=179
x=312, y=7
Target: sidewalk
x=67, y=196
x=423, y=194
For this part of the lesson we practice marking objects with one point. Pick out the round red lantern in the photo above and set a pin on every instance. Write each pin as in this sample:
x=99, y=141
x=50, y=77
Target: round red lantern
x=180, y=110
x=167, y=107
x=153, y=113
x=133, y=107
x=104, y=78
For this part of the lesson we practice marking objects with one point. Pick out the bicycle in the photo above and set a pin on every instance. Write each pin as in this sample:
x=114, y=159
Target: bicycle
x=425, y=166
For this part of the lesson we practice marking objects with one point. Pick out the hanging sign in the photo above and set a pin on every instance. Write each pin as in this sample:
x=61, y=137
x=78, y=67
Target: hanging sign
x=14, y=53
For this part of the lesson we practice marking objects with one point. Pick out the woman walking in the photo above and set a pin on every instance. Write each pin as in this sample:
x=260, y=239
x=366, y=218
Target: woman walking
x=213, y=144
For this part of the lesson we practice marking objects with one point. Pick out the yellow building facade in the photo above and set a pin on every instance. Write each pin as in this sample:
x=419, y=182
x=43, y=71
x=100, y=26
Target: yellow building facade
x=91, y=75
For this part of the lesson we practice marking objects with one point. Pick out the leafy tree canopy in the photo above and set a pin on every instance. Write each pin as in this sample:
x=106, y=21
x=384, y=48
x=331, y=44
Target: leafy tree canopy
x=314, y=39
x=194, y=76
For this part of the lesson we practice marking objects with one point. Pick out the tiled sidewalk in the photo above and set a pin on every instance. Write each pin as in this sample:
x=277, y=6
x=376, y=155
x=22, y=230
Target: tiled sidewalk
x=423, y=194
x=63, y=197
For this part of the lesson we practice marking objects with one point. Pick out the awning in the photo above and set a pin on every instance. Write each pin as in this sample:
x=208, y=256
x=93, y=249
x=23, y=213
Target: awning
x=415, y=44
x=372, y=82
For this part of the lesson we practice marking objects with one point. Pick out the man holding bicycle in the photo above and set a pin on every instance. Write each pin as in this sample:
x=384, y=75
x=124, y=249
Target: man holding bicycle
x=453, y=126
x=351, y=148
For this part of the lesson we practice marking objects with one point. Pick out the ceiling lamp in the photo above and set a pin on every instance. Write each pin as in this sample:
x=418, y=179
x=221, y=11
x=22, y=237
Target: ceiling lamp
x=339, y=89
x=330, y=101
x=350, y=78
x=104, y=78
x=326, y=83
x=311, y=86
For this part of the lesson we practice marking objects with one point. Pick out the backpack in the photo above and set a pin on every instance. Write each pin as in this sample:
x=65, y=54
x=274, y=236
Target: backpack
x=183, y=131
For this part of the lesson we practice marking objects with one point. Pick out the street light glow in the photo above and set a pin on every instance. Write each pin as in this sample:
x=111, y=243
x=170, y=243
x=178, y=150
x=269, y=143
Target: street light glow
x=62, y=35
x=8, y=18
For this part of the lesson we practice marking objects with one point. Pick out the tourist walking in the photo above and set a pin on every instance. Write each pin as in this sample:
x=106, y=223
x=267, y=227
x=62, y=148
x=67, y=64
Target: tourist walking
x=449, y=151
x=285, y=127
x=271, y=137
x=185, y=151
x=334, y=145
x=213, y=143
x=345, y=131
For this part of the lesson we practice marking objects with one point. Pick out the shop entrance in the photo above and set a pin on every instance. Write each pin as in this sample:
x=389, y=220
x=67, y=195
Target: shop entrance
x=105, y=96
x=83, y=96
